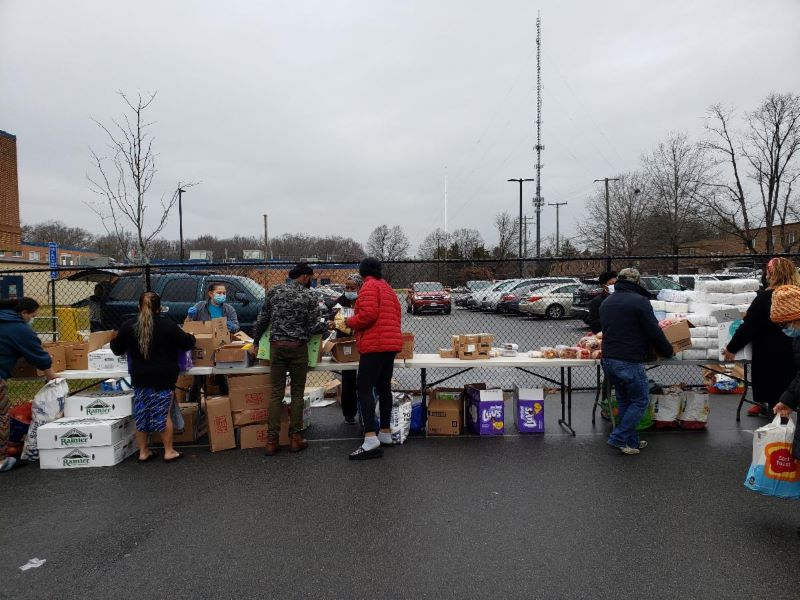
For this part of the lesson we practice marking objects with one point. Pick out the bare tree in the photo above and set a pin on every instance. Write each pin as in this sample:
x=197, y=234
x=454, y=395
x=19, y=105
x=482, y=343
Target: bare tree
x=123, y=179
x=629, y=208
x=507, y=232
x=767, y=153
x=435, y=245
x=387, y=244
x=466, y=244
x=677, y=172
x=56, y=231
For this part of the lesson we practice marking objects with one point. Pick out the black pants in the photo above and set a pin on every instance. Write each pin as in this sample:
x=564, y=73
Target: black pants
x=199, y=383
x=375, y=371
x=349, y=395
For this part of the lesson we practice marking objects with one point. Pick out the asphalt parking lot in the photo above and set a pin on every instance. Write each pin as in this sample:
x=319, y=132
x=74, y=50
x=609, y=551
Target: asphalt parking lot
x=545, y=516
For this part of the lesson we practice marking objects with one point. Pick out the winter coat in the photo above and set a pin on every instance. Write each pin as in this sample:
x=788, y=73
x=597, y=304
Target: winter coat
x=594, y=312
x=630, y=327
x=377, y=318
x=204, y=314
x=773, y=365
x=160, y=370
x=791, y=395
x=18, y=340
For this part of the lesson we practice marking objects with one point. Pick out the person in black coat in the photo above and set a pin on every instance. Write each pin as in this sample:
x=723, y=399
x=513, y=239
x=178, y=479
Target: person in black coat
x=152, y=343
x=772, y=367
x=349, y=378
x=630, y=332
x=607, y=280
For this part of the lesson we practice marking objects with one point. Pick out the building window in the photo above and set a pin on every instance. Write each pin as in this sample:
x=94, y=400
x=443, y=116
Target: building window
x=17, y=253
x=66, y=260
x=34, y=256
x=2, y=253
x=791, y=237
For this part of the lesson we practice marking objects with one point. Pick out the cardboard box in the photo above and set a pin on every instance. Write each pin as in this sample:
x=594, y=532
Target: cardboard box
x=220, y=424
x=529, y=409
x=99, y=404
x=253, y=398
x=342, y=350
x=249, y=417
x=253, y=436
x=408, y=346
x=725, y=333
x=445, y=411
x=314, y=351
x=233, y=355
x=57, y=353
x=473, y=346
x=447, y=353
x=194, y=427
x=209, y=335
x=75, y=458
x=77, y=353
x=679, y=336
x=248, y=381
x=333, y=389
x=104, y=359
x=84, y=433
x=485, y=411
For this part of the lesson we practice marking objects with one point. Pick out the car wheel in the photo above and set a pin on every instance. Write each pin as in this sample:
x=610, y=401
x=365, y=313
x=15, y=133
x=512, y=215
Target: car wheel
x=554, y=311
x=408, y=308
x=447, y=310
x=413, y=311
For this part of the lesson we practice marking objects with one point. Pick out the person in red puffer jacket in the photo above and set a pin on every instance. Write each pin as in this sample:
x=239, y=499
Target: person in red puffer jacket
x=376, y=324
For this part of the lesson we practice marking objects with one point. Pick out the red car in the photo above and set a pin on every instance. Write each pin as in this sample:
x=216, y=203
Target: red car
x=428, y=296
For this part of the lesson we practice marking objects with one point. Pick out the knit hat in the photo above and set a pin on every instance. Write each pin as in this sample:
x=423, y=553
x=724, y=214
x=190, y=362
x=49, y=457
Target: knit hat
x=355, y=279
x=785, y=304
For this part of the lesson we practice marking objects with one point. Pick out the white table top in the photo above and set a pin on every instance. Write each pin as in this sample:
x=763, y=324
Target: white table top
x=434, y=361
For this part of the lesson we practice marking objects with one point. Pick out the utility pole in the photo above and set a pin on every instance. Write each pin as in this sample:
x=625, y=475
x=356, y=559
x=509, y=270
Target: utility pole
x=527, y=222
x=538, y=201
x=180, y=218
x=608, y=221
x=558, y=205
x=267, y=253
x=520, y=181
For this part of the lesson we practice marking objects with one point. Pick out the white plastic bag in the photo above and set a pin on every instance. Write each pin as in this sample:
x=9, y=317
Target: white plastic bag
x=400, y=422
x=695, y=410
x=667, y=406
x=773, y=470
x=47, y=405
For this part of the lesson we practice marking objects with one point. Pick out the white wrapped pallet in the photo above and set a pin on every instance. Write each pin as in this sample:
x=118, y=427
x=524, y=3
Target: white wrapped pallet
x=676, y=307
x=714, y=353
x=675, y=295
x=698, y=332
x=722, y=298
x=704, y=343
x=695, y=354
x=728, y=286
x=701, y=319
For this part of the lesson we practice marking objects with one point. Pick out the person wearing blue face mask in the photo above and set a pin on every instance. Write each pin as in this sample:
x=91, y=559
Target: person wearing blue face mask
x=214, y=306
x=349, y=395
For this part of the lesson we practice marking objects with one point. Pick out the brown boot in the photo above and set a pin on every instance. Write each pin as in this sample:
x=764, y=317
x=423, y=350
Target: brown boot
x=298, y=443
x=272, y=445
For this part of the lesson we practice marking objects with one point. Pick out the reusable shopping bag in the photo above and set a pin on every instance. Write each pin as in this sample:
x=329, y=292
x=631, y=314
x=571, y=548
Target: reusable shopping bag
x=314, y=345
x=774, y=471
x=667, y=407
x=694, y=410
x=47, y=405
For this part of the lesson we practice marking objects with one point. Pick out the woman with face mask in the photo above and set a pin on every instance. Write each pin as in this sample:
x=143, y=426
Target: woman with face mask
x=346, y=301
x=214, y=306
x=17, y=340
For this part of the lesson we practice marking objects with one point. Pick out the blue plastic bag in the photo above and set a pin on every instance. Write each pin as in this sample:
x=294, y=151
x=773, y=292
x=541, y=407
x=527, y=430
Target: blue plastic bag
x=774, y=471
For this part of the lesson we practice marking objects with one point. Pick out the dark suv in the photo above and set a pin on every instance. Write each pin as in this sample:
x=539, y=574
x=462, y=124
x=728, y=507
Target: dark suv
x=179, y=292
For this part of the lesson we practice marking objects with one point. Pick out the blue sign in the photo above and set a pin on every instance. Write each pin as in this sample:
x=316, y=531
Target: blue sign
x=53, y=259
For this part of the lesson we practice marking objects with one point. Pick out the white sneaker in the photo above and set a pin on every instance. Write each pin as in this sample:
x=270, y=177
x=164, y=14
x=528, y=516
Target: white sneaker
x=629, y=451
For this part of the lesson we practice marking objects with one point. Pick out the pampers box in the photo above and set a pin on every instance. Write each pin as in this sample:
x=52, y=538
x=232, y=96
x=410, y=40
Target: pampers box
x=529, y=409
x=85, y=442
x=99, y=404
x=486, y=411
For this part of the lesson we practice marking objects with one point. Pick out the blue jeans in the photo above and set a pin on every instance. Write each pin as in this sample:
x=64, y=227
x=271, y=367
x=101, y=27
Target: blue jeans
x=633, y=396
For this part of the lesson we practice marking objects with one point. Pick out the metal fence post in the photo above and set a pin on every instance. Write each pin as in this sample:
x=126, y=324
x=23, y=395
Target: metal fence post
x=53, y=308
x=147, y=277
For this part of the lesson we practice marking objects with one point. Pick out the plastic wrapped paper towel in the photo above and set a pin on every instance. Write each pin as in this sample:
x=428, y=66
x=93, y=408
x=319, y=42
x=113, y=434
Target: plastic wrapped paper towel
x=675, y=295
x=728, y=286
x=658, y=305
x=705, y=343
x=701, y=320
x=722, y=298
x=706, y=308
x=676, y=307
x=695, y=354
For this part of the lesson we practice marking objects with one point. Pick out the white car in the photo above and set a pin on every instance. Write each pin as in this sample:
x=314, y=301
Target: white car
x=477, y=298
x=551, y=302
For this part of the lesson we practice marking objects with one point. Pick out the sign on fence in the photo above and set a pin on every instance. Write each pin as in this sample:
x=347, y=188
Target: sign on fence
x=53, y=259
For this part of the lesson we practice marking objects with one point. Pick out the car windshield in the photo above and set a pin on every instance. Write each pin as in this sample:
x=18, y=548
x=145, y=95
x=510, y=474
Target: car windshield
x=428, y=287
x=476, y=286
x=252, y=287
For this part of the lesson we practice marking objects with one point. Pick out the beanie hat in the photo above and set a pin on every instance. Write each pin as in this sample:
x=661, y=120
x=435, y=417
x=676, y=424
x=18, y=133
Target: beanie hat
x=370, y=267
x=300, y=269
x=785, y=304
x=355, y=279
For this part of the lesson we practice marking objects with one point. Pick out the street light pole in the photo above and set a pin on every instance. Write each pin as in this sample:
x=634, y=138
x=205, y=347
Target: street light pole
x=520, y=181
x=558, y=205
x=180, y=217
x=608, y=221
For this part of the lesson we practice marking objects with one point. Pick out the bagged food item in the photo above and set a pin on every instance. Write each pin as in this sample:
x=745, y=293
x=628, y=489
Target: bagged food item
x=567, y=352
x=583, y=353
x=694, y=411
x=704, y=343
x=590, y=342
x=676, y=307
x=47, y=406
x=535, y=354
x=400, y=422
x=773, y=470
x=667, y=406
x=596, y=354
x=548, y=352
x=695, y=354
x=609, y=405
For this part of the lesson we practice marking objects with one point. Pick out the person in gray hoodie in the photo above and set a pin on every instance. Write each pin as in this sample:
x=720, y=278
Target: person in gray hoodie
x=17, y=340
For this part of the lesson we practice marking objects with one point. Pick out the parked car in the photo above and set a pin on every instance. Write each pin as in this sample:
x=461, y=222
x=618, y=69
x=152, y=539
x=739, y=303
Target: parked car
x=428, y=296
x=461, y=294
x=654, y=284
x=474, y=300
x=552, y=302
x=581, y=299
x=179, y=292
x=509, y=301
x=491, y=297
x=689, y=281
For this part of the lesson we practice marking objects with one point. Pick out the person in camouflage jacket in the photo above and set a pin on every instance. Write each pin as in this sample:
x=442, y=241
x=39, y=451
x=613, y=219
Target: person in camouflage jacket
x=291, y=315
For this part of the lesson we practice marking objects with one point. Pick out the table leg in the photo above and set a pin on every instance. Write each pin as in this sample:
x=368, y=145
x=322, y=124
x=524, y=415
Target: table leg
x=566, y=401
x=597, y=394
x=423, y=377
x=742, y=400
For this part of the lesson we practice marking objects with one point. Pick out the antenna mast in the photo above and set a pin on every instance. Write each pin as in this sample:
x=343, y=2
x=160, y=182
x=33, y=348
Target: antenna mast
x=538, y=201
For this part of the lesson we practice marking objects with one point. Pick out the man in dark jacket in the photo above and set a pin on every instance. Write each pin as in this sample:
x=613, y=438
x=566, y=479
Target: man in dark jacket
x=630, y=331
x=607, y=280
x=17, y=340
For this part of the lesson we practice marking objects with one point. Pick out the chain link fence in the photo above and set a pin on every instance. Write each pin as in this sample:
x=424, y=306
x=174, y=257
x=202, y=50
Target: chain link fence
x=80, y=300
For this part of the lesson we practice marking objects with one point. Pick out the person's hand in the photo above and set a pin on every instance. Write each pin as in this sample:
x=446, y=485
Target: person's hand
x=331, y=325
x=781, y=409
x=49, y=374
x=728, y=355
x=192, y=312
x=231, y=326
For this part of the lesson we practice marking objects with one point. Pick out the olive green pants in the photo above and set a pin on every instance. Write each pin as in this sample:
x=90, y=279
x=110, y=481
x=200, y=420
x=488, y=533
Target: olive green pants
x=295, y=361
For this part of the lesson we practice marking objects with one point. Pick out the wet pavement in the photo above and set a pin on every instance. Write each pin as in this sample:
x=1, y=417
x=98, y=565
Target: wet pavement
x=538, y=516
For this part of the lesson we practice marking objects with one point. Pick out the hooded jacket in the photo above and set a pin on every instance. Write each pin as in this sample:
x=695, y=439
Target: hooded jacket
x=17, y=340
x=377, y=318
x=630, y=327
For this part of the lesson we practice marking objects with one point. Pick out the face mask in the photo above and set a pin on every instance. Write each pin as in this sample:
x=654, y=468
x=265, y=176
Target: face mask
x=791, y=332
x=351, y=295
x=220, y=298
x=610, y=288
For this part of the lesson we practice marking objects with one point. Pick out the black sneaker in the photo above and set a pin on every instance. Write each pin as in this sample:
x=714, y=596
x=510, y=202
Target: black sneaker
x=361, y=454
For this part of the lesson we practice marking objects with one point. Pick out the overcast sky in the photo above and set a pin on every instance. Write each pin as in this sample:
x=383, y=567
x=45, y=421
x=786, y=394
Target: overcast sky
x=335, y=117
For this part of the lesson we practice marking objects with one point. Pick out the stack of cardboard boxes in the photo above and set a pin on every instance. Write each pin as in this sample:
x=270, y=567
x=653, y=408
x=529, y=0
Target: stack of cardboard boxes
x=209, y=335
x=471, y=346
x=79, y=356
x=97, y=430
